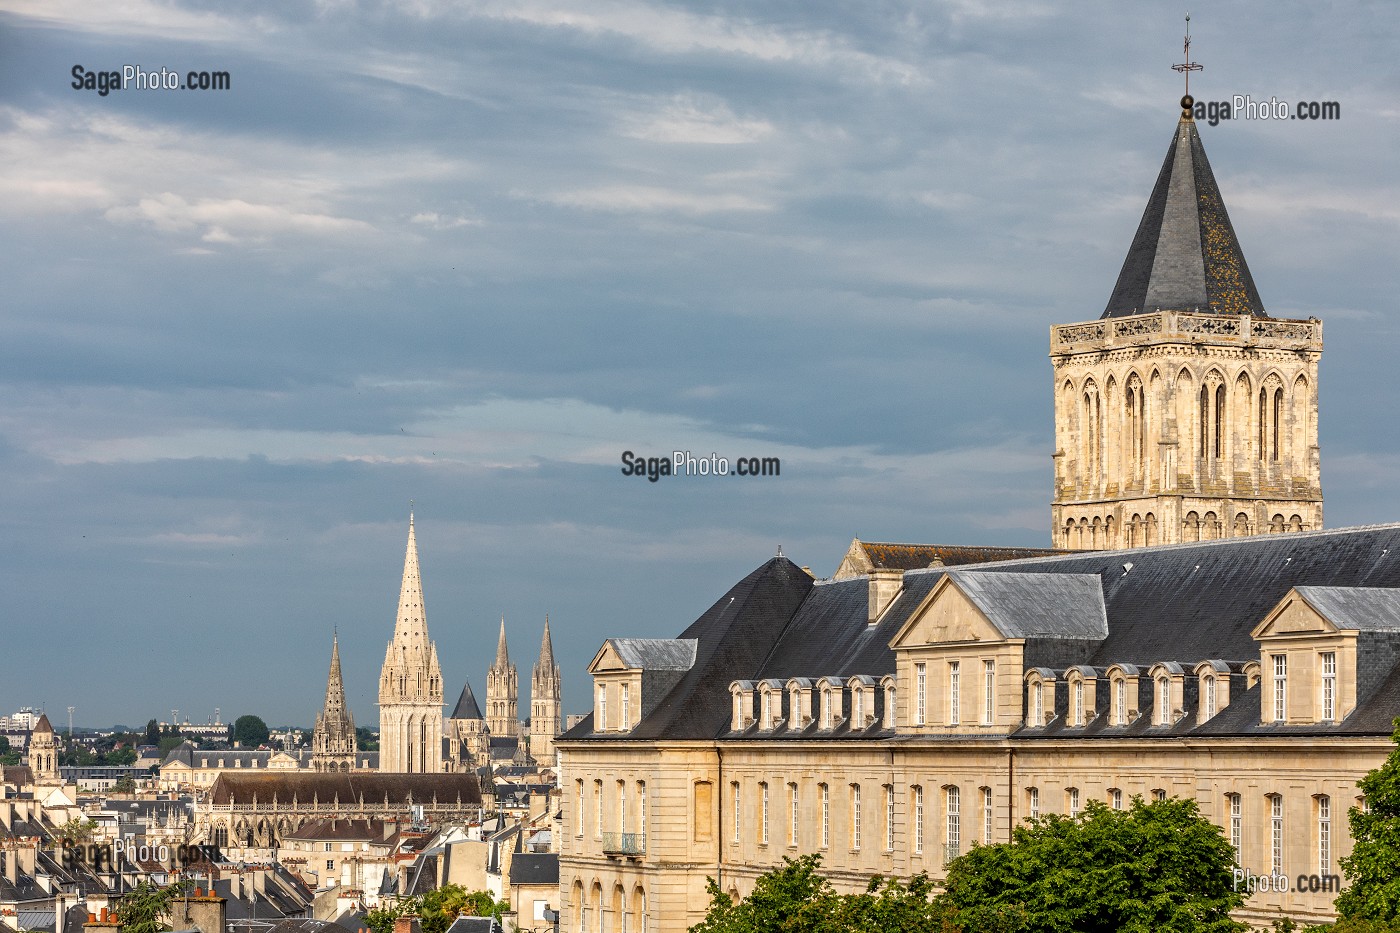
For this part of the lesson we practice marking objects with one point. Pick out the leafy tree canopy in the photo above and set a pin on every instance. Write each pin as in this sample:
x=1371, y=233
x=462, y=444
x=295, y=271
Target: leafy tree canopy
x=152, y=736
x=1373, y=868
x=145, y=908
x=1155, y=866
x=250, y=731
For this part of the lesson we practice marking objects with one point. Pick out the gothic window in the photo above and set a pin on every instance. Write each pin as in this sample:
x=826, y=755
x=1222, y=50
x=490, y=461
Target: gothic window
x=1241, y=524
x=1212, y=526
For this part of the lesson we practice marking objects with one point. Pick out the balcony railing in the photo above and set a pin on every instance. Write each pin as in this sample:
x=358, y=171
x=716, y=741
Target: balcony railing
x=624, y=843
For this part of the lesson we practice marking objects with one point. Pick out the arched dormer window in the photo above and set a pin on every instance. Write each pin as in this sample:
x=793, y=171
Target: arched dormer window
x=1168, y=692
x=862, y=688
x=1040, y=697
x=1212, y=689
x=832, y=711
x=799, y=703
x=887, y=684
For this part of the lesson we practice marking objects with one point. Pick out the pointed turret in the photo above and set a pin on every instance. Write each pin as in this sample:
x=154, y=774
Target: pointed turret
x=1185, y=256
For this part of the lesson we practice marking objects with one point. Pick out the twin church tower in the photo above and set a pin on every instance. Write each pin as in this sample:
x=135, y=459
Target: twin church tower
x=413, y=735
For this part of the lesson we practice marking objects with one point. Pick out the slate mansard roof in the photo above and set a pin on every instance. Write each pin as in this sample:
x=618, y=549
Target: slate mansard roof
x=1185, y=603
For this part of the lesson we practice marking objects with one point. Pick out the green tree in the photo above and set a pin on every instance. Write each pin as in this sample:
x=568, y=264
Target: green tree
x=75, y=830
x=366, y=740
x=250, y=731
x=891, y=906
x=381, y=919
x=126, y=784
x=792, y=898
x=4, y=744
x=437, y=909
x=1156, y=866
x=125, y=755
x=145, y=908
x=1373, y=868
x=152, y=736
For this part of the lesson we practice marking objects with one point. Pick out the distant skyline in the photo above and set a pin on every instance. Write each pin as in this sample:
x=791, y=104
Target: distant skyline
x=468, y=253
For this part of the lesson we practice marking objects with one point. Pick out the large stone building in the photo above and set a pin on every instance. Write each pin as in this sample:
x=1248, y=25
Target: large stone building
x=1184, y=413
x=892, y=716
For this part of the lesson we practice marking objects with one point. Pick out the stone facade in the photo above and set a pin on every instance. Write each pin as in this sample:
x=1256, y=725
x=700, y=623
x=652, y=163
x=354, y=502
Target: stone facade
x=502, y=692
x=1176, y=426
x=546, y=703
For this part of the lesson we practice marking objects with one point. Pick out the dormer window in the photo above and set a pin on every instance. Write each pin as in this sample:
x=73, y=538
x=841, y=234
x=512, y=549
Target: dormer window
x=888, y=683
x=1078, y=702
x=624, y=708
x=1208, y=699
x=826, y=706
x=1164, y=701
x=858, y=706
x=1120, y=701
x=742, y=691
x=766, y=716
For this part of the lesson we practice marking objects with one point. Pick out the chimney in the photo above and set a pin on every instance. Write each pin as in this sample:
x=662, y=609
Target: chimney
x=885, y=585
x=103, y=923
x=203, y=911
x=408, y=923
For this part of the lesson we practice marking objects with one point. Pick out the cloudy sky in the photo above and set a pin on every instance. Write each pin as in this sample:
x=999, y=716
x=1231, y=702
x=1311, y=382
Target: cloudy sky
x=466, y=253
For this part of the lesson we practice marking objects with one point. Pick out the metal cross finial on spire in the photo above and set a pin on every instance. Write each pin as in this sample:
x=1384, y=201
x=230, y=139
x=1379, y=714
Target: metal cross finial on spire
x=1187, y=66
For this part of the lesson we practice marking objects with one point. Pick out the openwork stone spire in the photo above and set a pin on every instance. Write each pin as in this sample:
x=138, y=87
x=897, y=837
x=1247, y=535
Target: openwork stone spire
x=410, y=683
x=333, y=741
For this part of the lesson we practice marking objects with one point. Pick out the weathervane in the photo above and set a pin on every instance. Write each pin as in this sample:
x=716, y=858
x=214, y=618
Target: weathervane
x=1187, y=66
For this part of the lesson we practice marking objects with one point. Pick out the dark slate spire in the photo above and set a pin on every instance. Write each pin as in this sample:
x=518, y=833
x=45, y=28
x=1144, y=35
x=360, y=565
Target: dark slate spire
x=1185, y=256
x=466, y=705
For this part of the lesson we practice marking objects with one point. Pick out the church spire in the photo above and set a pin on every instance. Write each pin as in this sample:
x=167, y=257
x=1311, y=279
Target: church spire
x=412, y=624
x=502, y=655
x=546, y=646
x=335, y=686
x=333, y=739
x=1185, y=256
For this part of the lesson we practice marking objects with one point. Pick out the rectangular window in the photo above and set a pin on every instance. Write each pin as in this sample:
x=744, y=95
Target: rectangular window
x=621, y=807
x=1115, y=799
x=598, y=809
x=330, y=864
x=624, y=711
x=602, y=708
x=1120, y=700
x=855, y=817
x=579, y=822
x=1324, y=835
x=989, y=692
x=954, y=692
x=826, y=816
x=889, y=817
x=1276, y=833
x=1033, y=801
x=1210, y=696
x=1236, y=825
x=987, y=816
x=795, y=816
x=1158, y=794
x=918, y=820
x=1079, y=702
x=858, y=702
x=642, y=808
x=1072, y=801
x=327, y=845
x=763, y=813
x=1164, y=702
x=954, y=823
x=738, y=808
x=826, y=708
x=1280, y=687
x=766, y=711
x=1329, y=686
x=920, y=692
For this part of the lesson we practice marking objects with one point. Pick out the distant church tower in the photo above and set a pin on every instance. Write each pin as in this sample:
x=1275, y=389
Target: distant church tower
x=410, y=684
x=1184, y=412
x=333, y=741
x=545, y=704
x=502, y=692
x=43, y=751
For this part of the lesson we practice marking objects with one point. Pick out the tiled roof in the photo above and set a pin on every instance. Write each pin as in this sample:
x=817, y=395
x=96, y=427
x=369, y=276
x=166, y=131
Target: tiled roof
x=655, y=654
x=466, y=705
x=535, y=868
